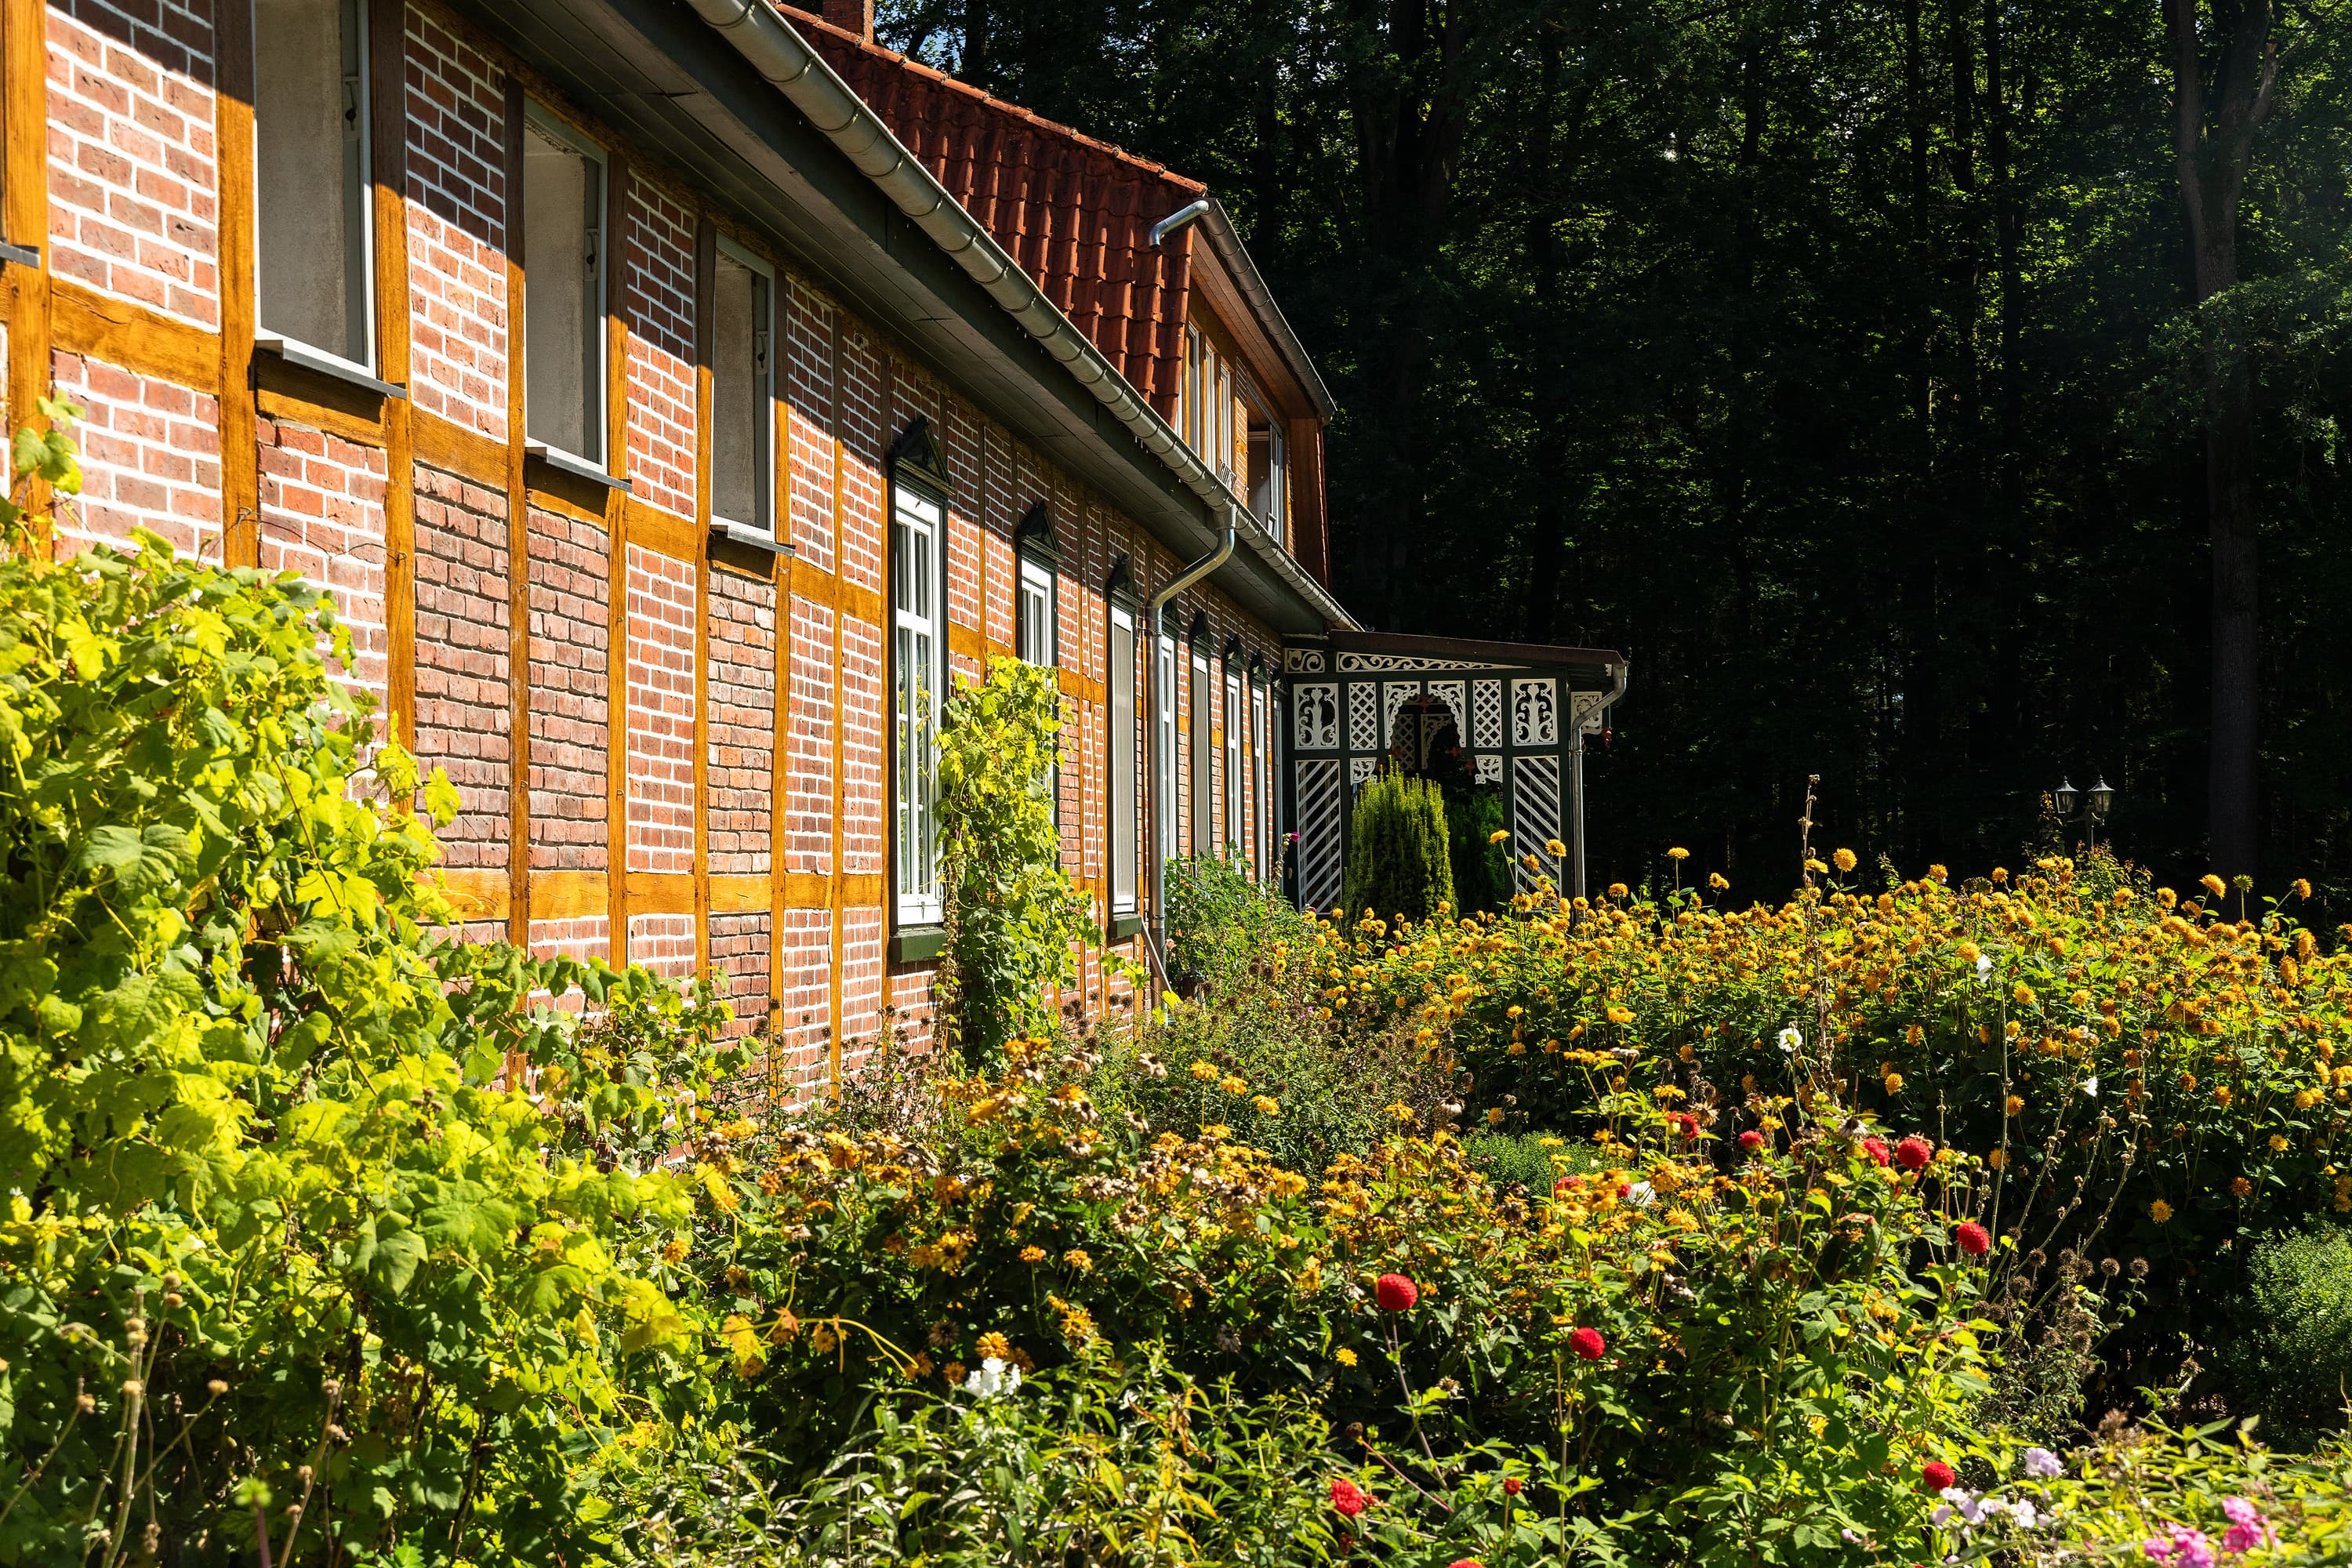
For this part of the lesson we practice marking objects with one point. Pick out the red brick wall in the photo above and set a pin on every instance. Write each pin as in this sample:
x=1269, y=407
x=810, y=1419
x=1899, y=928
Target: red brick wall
x=658, y=306
x=463, y=661
x=662, y=611
x=457, y=229
x=323, y=517
x=149, y=457
x=571, y=729
x=133, y=171
x=133, y=187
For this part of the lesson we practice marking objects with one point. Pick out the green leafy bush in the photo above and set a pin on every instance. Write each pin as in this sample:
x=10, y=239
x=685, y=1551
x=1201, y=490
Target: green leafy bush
x=316, y=1226
x=1223, y=925
x=1014, y=918
x=2290, y=1360
x=1481, y=865
x=1399, y=863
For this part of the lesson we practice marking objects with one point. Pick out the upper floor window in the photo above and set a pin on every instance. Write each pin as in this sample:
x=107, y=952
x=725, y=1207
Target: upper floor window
x=1268, y=479
x=742, y=392
x=314, y=277
x=1208, y=410
x=563, y=259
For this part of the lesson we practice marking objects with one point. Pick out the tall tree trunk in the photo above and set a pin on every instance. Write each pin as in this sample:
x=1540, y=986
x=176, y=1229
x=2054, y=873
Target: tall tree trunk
x=1410, y=109
x=1924, y=673
x=2215, y=120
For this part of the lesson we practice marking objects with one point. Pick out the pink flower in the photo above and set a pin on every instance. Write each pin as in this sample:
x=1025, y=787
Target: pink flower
x=1751, y=1140
x=1466, y=1563
x=1346, y=1497
x=1876, y=1149
x=2178, y=1547
x=1914, y=1154
x=2248, y=1528
x=1395, y=1293
x=1971, y=1238
x=1588, y=1344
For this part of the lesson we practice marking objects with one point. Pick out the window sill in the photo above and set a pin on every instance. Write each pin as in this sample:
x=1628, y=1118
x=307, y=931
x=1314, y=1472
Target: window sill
x=563, y=462
x=918, y=943
x=1125, y=926
x=327, y=365
x=22, y=255
x=750, y=538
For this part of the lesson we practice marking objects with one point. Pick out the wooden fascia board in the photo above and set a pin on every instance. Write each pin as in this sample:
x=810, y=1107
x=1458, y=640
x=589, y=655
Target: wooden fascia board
x=1213, y=292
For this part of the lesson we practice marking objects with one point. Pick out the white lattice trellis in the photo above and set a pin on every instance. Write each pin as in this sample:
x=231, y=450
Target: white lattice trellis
x=1363, y=719
x=1486, y=711
x=1535, y=712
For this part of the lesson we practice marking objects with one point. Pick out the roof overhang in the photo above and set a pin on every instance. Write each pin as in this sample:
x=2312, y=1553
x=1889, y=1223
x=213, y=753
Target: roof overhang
x=1586, y=667
x=657, y=73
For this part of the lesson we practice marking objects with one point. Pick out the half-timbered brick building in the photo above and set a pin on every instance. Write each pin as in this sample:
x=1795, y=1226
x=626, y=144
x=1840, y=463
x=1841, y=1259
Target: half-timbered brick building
x=676, y=395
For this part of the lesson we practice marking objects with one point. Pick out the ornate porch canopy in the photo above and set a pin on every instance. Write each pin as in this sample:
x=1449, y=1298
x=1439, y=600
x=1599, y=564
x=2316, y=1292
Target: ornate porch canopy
x=1519, y=714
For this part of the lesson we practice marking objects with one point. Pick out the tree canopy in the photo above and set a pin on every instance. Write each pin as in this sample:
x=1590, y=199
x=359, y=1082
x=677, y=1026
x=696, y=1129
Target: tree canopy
x=1843, y=362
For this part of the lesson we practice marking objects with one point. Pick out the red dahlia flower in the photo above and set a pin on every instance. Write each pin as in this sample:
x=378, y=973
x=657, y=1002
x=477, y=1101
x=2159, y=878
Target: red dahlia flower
x=1511, y=1485
x=1876, y=1149
x=1346, y=1497
x=1751, y=1140
x=1914, y=1154
x=1971, y=1238
x=1395, y=1293
x=1937, y=1474
x=1588, y=1344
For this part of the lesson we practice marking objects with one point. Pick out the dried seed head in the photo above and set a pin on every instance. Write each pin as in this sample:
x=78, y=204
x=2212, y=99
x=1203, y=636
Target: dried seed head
x=217, y=1387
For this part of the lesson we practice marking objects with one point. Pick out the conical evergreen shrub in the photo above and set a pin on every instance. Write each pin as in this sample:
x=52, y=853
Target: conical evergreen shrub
x=1398, y=862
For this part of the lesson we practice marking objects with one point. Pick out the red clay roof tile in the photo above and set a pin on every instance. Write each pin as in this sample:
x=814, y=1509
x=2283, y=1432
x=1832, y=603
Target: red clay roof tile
x=1074, y=213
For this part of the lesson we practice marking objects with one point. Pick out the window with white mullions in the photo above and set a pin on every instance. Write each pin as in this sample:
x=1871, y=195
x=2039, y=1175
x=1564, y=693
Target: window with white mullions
x=1261, y=786
x=1120, y=738
x=742, y=393
x=917, y=677
x=1163, y=701
x=1199, y=715
x=563, y=259
x=1234, y=843
x=1036, y=635
x=314, y=240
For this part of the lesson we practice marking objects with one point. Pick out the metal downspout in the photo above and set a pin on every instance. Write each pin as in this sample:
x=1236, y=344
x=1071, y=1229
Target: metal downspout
x=1576, y=770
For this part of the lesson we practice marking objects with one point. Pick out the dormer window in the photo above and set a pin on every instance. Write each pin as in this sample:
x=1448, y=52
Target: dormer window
x=1268, y=477
x=1209, y=404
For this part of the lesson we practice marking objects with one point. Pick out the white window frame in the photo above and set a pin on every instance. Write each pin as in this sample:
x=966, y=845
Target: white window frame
x=1167, y=808
x=1261, y=784
x=918, y=658
x=1234, y=843
x=1201, y=711
x=1036, y=603
x=763, y=484
x=1120, y=741
x=287, y=345
x=597, y=417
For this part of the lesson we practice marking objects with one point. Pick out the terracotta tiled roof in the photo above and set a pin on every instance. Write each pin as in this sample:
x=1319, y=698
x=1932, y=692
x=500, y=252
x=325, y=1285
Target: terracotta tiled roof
x=1075, y=213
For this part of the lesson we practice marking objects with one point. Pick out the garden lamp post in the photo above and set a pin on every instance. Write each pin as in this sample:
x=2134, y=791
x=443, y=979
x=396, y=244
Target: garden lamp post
x=2096, y=801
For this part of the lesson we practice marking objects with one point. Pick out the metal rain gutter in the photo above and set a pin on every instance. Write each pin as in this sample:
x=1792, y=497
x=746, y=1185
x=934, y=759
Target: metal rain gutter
x=784, y=60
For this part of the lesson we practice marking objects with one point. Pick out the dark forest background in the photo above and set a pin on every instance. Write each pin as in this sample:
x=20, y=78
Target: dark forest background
x=1855, y=367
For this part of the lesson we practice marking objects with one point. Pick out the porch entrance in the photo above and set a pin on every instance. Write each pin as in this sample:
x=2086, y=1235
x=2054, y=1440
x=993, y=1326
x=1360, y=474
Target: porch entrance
x=1511, y=716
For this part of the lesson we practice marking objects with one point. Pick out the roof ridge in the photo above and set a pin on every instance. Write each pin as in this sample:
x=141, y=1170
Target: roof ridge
x=835, y=33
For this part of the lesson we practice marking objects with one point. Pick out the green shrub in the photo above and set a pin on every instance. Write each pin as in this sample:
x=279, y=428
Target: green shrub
x=1481, y=865
x=1398, y=856
x=286, y=1227
x=1221, y=923
x=1529, y=1159
x=1014, y=918
x=2290, y=1361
